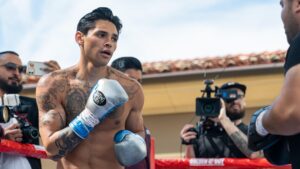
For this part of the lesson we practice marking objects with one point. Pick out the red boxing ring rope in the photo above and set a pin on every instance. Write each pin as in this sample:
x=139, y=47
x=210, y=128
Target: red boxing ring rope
x=210, y=163
x=37, y=151
x=29, y=150
x=216, y=163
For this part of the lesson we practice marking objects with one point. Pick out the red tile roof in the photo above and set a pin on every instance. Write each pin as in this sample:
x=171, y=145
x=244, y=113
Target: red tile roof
x=206, y=63
x=214, y=62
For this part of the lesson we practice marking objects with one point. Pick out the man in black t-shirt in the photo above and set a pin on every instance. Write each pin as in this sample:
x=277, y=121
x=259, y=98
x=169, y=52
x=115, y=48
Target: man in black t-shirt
x=222, y=136
x=283, y=116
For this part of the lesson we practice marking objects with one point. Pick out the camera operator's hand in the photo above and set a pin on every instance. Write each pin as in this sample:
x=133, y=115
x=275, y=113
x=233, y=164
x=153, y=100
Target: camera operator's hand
x=13, y=132
x=186, y=134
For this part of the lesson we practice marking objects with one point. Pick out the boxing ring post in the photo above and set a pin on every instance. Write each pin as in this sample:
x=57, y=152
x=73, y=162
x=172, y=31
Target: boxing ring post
x=152, y=153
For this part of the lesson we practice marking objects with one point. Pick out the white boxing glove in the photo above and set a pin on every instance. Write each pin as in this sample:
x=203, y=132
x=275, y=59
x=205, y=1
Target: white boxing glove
x=105, y=96
x=130, y=148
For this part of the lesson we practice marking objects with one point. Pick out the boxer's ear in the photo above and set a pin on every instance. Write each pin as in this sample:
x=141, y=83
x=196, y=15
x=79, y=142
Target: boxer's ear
x=79, y=37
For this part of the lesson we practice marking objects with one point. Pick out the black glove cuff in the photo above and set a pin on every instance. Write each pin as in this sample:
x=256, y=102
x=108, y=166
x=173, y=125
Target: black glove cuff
x=255, y=141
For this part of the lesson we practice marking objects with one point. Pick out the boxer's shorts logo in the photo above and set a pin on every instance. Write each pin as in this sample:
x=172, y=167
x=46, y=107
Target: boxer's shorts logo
x=99, y=98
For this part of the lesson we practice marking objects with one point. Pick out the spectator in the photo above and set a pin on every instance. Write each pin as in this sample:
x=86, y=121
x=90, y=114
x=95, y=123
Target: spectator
x=130, y=66
x=11, y=70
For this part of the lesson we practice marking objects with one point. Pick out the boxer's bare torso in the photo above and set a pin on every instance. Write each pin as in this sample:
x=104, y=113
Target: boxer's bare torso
x=61, y=96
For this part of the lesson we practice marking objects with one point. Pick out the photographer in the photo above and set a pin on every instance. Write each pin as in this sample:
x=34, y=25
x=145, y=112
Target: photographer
x=221, y=136
x=17, y=129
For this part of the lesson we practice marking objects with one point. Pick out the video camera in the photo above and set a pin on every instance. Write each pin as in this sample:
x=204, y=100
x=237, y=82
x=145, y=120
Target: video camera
x=209, y=106
x=9, y=108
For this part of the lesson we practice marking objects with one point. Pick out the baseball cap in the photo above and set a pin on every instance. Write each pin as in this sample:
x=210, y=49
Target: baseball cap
x=230, y=85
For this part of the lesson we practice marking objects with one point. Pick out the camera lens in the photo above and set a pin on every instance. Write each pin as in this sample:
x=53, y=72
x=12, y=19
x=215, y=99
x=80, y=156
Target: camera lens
x=208, y=108
x=32, y=132
x=4, y=114
x=29, y=133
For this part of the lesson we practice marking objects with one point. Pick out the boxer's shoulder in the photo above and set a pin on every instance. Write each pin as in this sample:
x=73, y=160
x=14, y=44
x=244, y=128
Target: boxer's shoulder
x=129, y=84
x=118, y=75
x=59, y=77
x=63, y=73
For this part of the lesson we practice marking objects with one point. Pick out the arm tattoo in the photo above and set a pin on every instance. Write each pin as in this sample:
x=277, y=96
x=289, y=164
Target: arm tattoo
x=46, y=101
x=75, y=102
x=66, y=142
x=241, y=142
x=51, y=116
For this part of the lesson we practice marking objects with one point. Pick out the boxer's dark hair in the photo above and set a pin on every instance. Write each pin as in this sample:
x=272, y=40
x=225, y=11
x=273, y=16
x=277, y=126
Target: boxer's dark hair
x=127, y=62
x=87, y=22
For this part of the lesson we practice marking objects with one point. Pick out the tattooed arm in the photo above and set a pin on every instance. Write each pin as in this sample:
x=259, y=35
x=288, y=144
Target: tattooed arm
x=237, y=136
x=57, y=138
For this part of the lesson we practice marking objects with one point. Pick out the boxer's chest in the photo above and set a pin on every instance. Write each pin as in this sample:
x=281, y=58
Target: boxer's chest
x=75, y=101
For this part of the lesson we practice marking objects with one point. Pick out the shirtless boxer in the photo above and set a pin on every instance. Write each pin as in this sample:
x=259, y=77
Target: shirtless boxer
x=80, y=114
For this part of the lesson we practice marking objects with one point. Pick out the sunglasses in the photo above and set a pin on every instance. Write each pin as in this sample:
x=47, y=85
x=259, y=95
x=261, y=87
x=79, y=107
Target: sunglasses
x=13, y=67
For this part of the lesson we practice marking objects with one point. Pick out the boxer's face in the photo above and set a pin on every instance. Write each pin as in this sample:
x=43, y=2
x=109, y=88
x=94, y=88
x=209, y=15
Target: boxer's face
x=288, y=16
x=236, y=109
x=100, y=42
x=135, y=74
x=10, y=73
